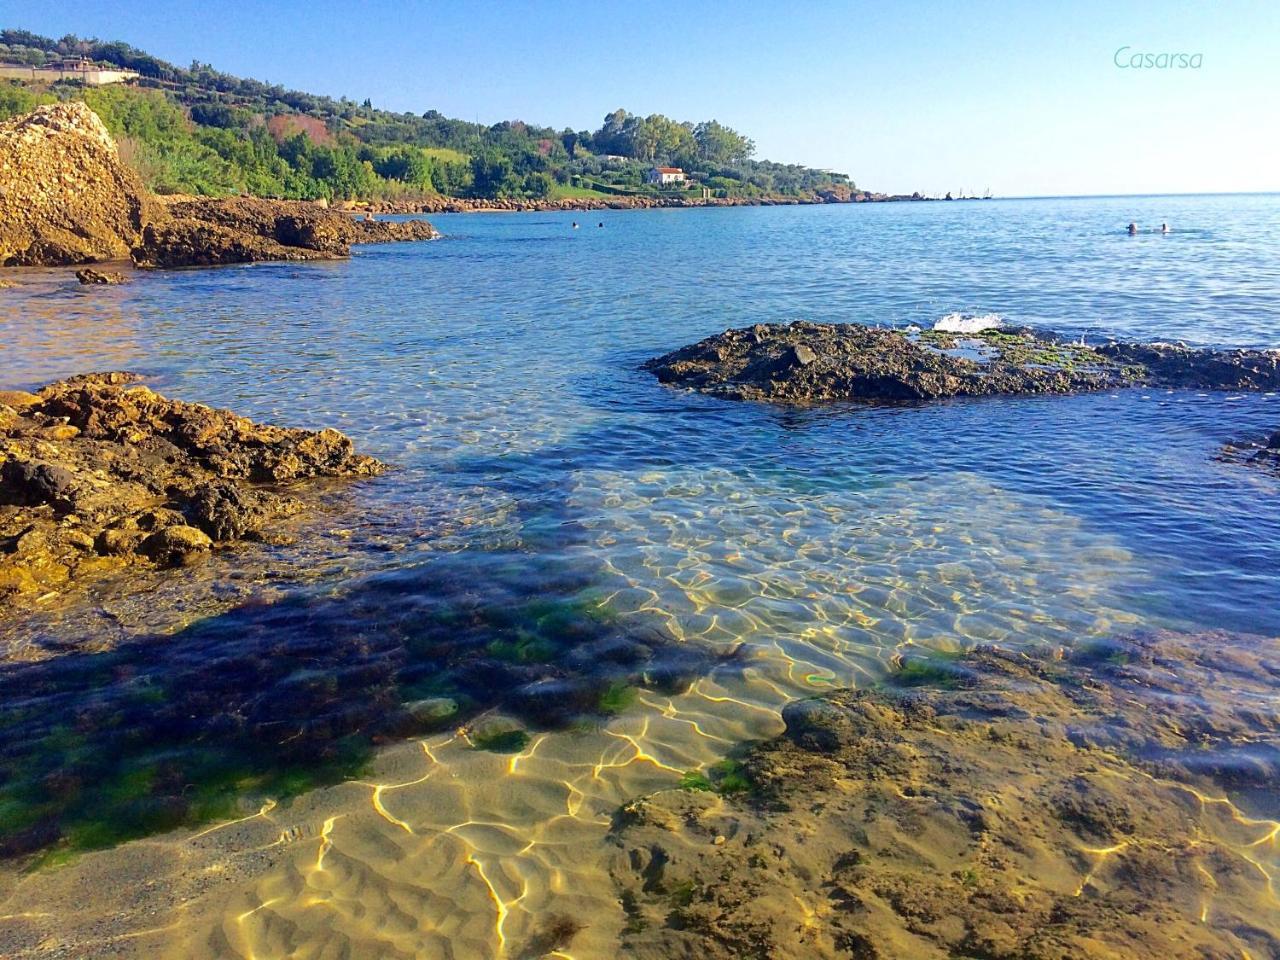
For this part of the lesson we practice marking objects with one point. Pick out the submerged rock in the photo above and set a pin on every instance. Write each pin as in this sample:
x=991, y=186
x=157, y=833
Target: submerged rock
x=806, y=362
x=89, y=276
x=65, y=195
x=1263, y=453
x=1012, y=805
x=97, y=473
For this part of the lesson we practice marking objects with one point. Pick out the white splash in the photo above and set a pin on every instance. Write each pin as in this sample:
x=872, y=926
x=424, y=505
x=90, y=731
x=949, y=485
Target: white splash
x=968, y=323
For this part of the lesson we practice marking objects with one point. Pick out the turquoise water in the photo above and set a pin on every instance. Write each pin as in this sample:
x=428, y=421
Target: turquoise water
x=501, y=361
x=555, y=517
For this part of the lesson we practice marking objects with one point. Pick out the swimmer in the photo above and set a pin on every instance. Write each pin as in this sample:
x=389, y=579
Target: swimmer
x=575, y=224
x=1133, y=229
x=1164, y=228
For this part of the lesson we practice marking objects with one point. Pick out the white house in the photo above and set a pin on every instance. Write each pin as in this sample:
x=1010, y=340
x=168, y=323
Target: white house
x=665, y=175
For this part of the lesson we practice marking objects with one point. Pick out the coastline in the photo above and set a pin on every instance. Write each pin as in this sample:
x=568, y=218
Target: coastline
x=442, y=204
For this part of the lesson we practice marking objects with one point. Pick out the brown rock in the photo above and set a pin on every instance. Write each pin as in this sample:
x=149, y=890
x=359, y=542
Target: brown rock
x=206, y=232
x=177, y=546
x=89, y=276
x=18, y=398
x=188, y=242
x=100, y=472
x=65, y=195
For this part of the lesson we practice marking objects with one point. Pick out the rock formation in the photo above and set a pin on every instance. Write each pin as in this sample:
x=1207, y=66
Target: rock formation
x=66, y=198
x=205, y=232
x=65, y=195
x=1009, y=805
x=806, y=362
x=97, y=473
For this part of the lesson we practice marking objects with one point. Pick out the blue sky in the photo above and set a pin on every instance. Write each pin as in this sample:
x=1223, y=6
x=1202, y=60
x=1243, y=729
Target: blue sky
x=1021, y=98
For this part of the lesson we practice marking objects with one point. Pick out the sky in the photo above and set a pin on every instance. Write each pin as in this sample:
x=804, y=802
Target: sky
x=1022, y=99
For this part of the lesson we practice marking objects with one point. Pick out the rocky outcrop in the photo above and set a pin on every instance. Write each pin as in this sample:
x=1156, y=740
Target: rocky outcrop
x=67, y=198
x=207, y=232
x=391, y=231
x=97, y=473
x=806, y=363
x=65, y=195
x=192, y=242
x=1010, y=805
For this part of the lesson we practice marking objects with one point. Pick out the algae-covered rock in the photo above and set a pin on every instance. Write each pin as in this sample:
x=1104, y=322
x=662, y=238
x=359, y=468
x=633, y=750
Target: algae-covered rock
x=805, y=363
x=1112, y=801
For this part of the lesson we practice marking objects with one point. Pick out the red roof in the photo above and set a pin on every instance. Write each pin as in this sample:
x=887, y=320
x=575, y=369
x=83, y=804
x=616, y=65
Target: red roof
x=669, y=170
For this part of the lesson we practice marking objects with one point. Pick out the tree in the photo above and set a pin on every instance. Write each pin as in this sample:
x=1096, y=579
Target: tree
x=719, y=144
x=492, y=174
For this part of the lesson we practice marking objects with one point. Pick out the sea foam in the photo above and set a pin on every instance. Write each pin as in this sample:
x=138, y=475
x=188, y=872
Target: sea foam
x=968, y=323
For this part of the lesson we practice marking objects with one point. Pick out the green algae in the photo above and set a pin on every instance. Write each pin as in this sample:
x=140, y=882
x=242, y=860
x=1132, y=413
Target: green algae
x=726, y=777
x=937, y=669
x=695, y=780
x=501, y=741
x=269, y=701
x=616, y=698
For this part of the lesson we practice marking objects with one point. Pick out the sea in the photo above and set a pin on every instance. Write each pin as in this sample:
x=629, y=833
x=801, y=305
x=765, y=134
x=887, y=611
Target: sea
x=580, y=585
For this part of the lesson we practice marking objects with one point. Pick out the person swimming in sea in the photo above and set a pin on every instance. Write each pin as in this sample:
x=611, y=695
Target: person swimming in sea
x=575, y=224
x=1164, y=228
x=1133, y=229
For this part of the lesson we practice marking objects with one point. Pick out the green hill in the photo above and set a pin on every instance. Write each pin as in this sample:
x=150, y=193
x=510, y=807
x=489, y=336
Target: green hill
x=197, y=130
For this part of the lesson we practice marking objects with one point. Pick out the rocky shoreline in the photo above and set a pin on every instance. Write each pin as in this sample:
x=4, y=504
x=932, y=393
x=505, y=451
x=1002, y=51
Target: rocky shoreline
x=66, y=198
x=1010, y=805
x=442, y=204
x=809, y=363
x=98, y=474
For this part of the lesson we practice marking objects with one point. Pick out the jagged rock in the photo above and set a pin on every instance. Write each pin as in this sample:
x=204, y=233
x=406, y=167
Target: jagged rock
x=227, y=511
x=1177, y=365
x=389, y=231
x=806, y=362
x=90, y=276
x=206, y=232
x=67, y=198
x=187, y=242
x=97, y=473
x=65, y=195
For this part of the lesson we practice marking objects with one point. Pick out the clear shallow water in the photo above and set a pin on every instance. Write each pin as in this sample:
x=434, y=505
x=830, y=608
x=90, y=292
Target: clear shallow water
x=497, y=370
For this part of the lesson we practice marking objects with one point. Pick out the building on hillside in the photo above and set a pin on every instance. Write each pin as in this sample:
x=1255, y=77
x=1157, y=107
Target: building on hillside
x=662, y=176
x=86, y=71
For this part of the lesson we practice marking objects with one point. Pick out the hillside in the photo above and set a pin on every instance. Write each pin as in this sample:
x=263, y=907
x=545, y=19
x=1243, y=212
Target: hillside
x=199, y=131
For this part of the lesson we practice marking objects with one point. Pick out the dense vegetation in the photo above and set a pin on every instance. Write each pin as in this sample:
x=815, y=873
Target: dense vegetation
x=198, y=130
